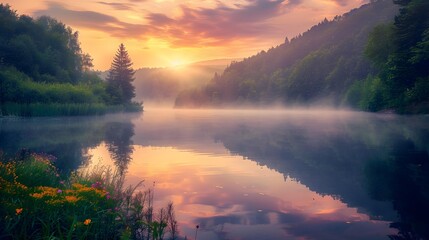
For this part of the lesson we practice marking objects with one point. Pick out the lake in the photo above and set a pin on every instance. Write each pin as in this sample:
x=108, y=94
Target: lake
x=244, y=174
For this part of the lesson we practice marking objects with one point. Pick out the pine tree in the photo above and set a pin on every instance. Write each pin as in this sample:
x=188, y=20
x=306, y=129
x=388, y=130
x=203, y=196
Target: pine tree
x=120, y=78
x=409, y=61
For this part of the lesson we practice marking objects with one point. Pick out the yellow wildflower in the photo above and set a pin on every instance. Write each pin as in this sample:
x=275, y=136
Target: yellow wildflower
x=48, y=191
x=18, y=211
x=37, y=195
x=77, y=185
x=72, y=199
x=45, y=192
x=54, y=201
x=87, y=222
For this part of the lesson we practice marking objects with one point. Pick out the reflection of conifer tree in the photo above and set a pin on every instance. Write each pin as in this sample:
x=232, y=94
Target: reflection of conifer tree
x=119, y=143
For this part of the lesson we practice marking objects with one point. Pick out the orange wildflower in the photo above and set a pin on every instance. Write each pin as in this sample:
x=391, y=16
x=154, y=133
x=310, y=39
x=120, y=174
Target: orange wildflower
x=72, y=199
x=18, y=211
x=87, y=222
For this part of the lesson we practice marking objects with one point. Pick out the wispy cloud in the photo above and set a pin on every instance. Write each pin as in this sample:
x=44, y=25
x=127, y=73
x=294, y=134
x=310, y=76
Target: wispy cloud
x=341, y=3
x=81, y=18
x=220, y=24
x=193, y=27
x=94, y=20
x=117, y=6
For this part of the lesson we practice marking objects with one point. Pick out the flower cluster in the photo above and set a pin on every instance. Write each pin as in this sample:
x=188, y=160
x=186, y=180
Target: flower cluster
x=33, y=196
x=9, y=183
x=44, y=196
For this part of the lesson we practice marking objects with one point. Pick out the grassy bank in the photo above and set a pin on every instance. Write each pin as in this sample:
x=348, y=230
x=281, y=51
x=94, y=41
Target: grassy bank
x=37, y=202
x=64, y=109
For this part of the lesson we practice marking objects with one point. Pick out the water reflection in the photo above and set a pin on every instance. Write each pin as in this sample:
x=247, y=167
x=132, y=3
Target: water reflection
x=402, y=178
x=68, y=139
x=258, y=175
x=231, y=197
x=118, y=140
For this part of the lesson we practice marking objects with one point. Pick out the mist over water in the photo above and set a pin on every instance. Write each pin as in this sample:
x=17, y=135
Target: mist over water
x=255, y=174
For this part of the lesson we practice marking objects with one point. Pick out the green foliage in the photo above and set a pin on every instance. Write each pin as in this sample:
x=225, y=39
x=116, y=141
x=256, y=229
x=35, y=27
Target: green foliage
x=410, y=34
x=42, y=48
x=420, y=52
x=401, y=53
x=43, y=71
x=120, y=78
x=37, y=170
x=36, y=204
x=58, y=109
x=20, y=96
x=380, y=44
x=368, y=95
x=307, y=78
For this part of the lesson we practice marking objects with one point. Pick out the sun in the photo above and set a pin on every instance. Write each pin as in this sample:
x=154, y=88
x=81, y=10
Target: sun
x=177, y=62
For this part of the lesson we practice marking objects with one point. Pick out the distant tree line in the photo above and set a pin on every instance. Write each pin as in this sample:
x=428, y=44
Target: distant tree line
x=344, y=61
x=41, y=63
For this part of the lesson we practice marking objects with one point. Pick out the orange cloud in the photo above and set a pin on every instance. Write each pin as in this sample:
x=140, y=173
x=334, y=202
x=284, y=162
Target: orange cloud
x=94, y=20
x=155, y=32
x=195, y=26
x=118, y=6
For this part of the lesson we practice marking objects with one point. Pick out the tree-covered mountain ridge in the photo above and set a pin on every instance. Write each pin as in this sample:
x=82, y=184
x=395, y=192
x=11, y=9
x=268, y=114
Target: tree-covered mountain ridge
x=324, y=65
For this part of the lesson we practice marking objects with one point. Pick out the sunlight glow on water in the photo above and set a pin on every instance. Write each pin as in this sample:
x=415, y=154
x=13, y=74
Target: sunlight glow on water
x=233, y=197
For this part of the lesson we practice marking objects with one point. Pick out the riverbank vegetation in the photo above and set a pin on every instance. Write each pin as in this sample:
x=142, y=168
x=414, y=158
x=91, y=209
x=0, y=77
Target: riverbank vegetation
x=43, y=71
x=38, y=202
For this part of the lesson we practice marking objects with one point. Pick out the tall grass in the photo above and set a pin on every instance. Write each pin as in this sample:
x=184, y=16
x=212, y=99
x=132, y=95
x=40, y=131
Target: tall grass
x=64, y=109
x=36, y=202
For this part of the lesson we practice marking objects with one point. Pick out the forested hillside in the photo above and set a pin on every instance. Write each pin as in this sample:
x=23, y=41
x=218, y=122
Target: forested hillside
x=318, y=66
x=43, y=70
x=400, y=52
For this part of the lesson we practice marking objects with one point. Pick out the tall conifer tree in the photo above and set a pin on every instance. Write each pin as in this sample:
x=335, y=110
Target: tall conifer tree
x=120, y=78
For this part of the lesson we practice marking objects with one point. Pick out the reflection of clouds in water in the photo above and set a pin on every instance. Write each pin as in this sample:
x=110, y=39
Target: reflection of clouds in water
x=228, y=190
x=250, y=218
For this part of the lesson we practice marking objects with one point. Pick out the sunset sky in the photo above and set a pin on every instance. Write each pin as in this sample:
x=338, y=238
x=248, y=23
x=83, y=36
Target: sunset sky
x=159, y=33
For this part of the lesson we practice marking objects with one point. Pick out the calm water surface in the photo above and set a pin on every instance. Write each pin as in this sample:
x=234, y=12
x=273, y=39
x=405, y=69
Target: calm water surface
x=256, y=174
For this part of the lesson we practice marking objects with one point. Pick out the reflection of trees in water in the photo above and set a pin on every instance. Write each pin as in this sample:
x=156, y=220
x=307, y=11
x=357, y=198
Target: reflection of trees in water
x=118, y=138
x=68, y=139
x=64, y=138
x=349, y=162
x=402, y=178
x=329, y=164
